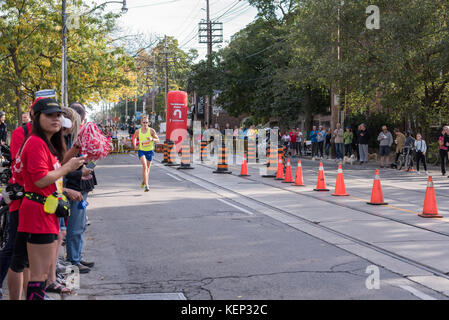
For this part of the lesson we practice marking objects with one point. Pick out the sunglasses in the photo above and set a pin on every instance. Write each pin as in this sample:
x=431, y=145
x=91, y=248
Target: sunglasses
x=145, y=122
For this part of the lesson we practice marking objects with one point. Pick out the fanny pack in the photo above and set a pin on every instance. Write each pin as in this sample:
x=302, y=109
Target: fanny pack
x=53, y=204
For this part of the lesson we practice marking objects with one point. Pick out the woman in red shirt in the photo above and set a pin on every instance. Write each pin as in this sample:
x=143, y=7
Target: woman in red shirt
x=42, y=175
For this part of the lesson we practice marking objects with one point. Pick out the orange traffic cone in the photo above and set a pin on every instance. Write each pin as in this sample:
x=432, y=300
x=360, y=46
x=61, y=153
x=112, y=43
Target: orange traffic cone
x=288, y=173
x=430, y=209
x=321, y=183
x=244, y=169
x=298, y=178
x=280, y=172
x=340, y=189
x=377, y=197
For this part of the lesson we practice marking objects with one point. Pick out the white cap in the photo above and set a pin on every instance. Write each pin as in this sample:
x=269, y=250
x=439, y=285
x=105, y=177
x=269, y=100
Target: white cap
x=66, y=123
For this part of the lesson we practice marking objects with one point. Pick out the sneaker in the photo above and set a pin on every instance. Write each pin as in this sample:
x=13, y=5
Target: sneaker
x=82, y=268
x=142, y=185
x=87, y=264
x=427, y=172
x=417, y=172
x=147, y=188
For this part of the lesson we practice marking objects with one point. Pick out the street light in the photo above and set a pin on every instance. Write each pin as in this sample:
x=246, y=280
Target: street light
x=64, y=84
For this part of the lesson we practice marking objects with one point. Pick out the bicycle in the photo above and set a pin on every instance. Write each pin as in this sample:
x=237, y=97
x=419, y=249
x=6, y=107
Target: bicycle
x=5, y=175
x=405, y=159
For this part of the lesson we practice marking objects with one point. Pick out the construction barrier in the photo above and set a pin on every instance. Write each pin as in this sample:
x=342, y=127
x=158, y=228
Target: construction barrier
x=185, y=155
x=298, y=178
x=340, y=189
x=171, y=154
x=271, y=164
x=288, y=173
x=222, y=166
x=165, y=148
x=430, y=209
x=203, y=153
x=244, y=169
x=321, y=183
x=377, y=197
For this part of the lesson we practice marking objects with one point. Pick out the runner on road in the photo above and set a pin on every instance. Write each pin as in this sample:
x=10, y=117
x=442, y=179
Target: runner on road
x=147, y=136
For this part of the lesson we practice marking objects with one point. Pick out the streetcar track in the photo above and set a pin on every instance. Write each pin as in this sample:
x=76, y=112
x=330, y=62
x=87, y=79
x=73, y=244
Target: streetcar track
x=401, y=258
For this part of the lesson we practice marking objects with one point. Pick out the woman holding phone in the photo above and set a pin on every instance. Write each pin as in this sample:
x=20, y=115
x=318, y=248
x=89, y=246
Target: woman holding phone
x=42, y=174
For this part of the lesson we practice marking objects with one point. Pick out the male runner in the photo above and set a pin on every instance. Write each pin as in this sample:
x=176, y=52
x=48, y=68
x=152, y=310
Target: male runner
x=147, y=136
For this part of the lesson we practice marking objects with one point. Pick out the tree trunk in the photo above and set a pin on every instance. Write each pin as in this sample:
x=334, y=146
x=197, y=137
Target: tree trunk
x=308, y=111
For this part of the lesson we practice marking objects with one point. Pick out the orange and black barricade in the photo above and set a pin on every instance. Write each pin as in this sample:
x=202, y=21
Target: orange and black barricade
x=171, y=154
x=185, y=155
x=222, y=166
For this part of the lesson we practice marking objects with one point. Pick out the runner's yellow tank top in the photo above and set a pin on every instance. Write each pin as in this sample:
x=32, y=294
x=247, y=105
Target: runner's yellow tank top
x=146, y=142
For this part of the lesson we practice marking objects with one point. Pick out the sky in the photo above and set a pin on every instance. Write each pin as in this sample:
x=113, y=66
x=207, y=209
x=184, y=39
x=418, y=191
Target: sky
x=180, y=18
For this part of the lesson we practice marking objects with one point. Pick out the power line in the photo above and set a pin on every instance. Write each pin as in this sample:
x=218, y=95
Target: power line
x=154, y=4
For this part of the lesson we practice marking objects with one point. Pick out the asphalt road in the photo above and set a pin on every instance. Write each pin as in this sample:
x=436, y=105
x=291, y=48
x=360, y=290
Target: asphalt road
x=183, y=238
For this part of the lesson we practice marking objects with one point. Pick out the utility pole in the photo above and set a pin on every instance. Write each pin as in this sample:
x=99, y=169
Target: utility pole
x=154, y=75
x=126, y=110
x=166, y=71
x=64, y=94
x=209, y=61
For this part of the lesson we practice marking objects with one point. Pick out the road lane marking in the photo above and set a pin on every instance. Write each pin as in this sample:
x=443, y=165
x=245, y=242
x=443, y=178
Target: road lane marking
x=417, y=293
x=237, y=207
x=174, y=177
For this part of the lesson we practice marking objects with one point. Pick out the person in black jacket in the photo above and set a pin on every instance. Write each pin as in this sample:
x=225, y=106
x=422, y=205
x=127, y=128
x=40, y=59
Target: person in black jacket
x=3, y=131
x=82, y=180
x=363, y=141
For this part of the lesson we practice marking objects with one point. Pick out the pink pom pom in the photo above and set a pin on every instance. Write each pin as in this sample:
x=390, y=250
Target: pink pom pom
x=93, y=143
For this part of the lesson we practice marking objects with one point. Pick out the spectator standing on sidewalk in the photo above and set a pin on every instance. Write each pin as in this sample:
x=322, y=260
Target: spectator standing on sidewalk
x=443, y=151
x=339, y=135
x=299, y=138
x=385, y=141
x=363, y=141
x=410, y=143
x=328, y=142
x=348, y=138
x=314, y=140
x=131, y=130
x=321, y=135
x=3, y=130
x=400, y=143
x=293, y=142
x=421, y=148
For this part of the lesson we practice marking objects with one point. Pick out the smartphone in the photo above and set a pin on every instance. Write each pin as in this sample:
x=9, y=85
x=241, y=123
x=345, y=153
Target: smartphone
x=90, y=165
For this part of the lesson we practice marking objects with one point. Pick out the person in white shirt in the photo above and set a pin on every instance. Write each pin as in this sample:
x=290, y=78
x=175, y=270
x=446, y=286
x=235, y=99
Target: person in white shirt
x=299, y=142
x=421, y=148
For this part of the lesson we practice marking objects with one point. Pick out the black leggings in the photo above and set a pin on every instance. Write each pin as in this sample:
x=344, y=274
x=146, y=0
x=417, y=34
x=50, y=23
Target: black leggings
x=443, y=156
x=420, y=156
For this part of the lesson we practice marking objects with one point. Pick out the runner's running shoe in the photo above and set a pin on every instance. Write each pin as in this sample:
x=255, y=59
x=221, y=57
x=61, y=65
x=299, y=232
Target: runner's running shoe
x=147, y=188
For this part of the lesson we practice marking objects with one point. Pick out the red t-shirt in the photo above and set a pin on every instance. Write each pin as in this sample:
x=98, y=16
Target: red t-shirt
x=37, y=161
x=17, y=138
x=292, y=136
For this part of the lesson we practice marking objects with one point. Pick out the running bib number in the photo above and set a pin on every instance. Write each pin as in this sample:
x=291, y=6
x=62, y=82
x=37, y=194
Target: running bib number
x=146, y=143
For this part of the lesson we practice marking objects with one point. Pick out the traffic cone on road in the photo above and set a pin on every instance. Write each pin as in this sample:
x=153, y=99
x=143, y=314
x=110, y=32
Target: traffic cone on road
x=340, y=189
x=280, y=172
x=298, y=178
x=377, y=197
x=430, y=209
x=288, y=173
x=244, y=169
x=321, y=183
